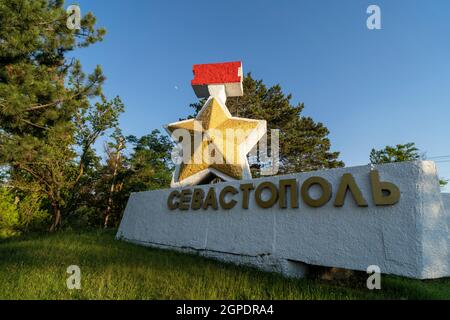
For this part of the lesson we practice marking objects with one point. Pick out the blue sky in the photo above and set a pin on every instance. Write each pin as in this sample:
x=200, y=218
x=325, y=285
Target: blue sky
x=371, y=88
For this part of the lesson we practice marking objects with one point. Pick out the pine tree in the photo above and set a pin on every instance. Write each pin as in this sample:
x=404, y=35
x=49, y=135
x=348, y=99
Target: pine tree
x=46, y=99
x=399, y=153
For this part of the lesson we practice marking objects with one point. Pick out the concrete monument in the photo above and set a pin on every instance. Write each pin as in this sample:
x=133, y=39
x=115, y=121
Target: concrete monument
x=392, y=215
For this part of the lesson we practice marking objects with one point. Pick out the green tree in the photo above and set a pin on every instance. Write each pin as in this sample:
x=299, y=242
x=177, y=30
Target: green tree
x=304, y=144
x=147, y=167
x=132, y=165
x=150, y=163
x=114, y=167
x=398, y=153
x=47, y=103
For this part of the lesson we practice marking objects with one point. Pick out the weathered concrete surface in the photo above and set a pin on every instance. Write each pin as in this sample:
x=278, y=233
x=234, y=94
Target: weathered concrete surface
x=446, y=200
x=410, y=238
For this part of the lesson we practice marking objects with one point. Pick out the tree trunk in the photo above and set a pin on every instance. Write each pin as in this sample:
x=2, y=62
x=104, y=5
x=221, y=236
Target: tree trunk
x=113, y=185
x=108, y=213
x=110, y=200
x=56, y=217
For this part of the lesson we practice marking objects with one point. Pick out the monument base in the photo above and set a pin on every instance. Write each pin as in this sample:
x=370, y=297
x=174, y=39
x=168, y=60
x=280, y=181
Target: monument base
x=352, y=229
x=288, y=268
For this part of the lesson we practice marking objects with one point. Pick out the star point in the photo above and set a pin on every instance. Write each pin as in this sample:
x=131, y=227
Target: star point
x=225, y=142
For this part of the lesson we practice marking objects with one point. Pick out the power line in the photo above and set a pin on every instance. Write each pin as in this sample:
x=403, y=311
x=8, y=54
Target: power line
x=438, y=157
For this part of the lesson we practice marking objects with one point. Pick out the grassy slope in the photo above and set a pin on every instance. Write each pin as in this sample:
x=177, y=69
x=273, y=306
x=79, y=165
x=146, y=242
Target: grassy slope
x=34, y=267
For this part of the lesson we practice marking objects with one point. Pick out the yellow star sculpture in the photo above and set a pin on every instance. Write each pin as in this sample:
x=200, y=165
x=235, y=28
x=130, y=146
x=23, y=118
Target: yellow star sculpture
x=221, y=146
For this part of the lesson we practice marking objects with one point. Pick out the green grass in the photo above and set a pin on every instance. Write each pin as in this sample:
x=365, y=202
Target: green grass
x=34, y=267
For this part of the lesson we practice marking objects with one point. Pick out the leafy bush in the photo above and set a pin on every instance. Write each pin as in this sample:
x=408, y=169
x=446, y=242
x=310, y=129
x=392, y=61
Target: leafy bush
x=9, y=216
x=31, y=215
x=21, y=215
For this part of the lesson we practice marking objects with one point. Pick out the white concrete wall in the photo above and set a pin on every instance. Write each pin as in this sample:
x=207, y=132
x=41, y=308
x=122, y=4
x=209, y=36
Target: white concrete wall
x=446, y=201
x=410, y=238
